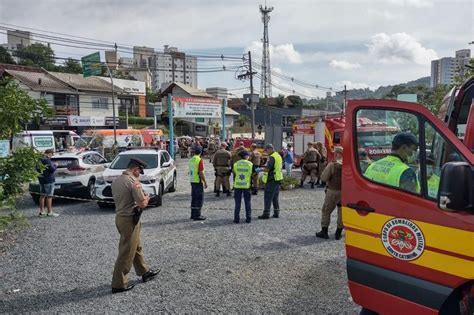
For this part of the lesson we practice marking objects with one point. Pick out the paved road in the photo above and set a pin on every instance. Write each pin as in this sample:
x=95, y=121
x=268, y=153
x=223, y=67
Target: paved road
x=65, y=264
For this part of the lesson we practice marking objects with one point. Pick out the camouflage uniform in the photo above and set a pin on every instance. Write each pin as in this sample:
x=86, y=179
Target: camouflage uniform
x=311, y=160
x=221, y=163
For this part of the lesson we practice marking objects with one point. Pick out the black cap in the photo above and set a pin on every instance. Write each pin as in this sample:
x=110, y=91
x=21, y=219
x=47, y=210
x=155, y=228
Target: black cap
x=405, y=138
x=134, y=162
x=197, y=149
x=243, y=153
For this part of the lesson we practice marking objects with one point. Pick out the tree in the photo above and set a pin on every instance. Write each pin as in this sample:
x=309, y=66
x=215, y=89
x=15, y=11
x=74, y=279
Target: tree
x=280, y=100
x=464, y=73
x=5, y=57
x=38, y=55
x=242, y=120
x=296, y=100
x=70, y=66
x=151, y=97
x=17, y=109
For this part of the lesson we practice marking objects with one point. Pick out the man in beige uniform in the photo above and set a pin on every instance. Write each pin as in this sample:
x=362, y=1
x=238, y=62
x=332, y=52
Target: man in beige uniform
x=129, y=200
x=310, y=164
x=221, y=163
x=332, y=175
x=323, y=161
x=256, y=159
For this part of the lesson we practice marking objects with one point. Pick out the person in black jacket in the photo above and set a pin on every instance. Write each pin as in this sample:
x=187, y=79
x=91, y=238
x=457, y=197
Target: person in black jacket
x=46, y=182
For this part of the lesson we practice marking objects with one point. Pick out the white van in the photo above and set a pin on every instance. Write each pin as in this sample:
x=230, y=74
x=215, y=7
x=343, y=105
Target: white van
x=42, y=140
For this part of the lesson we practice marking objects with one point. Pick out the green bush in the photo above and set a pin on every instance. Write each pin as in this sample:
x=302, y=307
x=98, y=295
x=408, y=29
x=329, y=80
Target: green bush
x=289, y=180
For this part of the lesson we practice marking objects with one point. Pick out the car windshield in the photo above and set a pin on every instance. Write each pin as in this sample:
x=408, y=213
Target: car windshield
x=121, y=161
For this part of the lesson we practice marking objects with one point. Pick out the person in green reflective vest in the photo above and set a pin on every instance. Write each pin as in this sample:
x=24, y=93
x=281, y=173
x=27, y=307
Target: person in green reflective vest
x=433, y=178
x=393, y=169
x=272, y=177
x=198, y=184
x=242, y=171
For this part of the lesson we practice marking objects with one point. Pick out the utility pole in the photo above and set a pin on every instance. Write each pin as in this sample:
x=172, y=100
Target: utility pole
x=266, y=82
x=249, y=74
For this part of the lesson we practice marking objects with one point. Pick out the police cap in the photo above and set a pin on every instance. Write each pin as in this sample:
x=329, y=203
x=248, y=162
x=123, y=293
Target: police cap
x=136, y=162
x=243, y=154
x=405, y=138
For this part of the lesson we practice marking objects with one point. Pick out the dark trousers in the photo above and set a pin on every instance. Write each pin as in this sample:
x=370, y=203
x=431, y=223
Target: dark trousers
x=272, y=192
x=197, y=198
x=238, y=201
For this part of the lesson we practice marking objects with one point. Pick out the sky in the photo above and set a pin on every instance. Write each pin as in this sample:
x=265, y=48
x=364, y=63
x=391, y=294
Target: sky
x=357, y=43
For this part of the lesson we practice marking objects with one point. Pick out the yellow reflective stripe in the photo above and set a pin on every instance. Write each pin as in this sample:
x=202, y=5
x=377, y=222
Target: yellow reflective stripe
x=437, y=237
x=328, y=138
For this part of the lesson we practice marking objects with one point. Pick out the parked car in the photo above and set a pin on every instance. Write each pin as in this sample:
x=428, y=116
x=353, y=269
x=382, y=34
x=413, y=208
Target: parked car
x=159, y=175
x=76, y=174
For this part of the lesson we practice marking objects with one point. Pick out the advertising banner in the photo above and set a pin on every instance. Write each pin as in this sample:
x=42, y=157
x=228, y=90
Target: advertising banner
x=193, y=107
x=86, y=121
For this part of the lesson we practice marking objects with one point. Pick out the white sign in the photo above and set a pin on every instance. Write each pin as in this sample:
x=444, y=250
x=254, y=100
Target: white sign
x=192, y=107
x=4, y=148
x=85, y=121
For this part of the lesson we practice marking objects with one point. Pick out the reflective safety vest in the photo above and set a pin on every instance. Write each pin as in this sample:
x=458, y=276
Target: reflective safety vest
x=387, y=170
x=433, y=186
x=194, y=169
x=242, y=174
x=277, y=174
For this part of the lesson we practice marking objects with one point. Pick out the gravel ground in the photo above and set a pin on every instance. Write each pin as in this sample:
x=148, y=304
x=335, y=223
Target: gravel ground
x=64, y=264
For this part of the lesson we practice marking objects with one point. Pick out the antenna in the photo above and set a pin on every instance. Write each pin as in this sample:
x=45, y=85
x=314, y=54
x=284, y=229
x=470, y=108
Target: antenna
x=266, y=82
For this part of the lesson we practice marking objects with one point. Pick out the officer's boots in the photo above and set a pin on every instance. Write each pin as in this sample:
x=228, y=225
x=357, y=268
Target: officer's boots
x=196, y=215
x=312, y=185
x=338, y=234
x=255, y=192
x=323, y=233
x=301, y=183
x=265, y=215
x=218, y=193
x=276, y=213
x=228, y=193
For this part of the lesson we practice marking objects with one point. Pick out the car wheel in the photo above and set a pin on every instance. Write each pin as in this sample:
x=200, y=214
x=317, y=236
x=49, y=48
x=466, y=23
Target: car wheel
x=91, y=189
x=174, y=184
x=159, y=197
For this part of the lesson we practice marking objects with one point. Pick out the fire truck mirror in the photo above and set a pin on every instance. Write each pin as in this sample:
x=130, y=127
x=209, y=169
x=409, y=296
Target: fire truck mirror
x=456, y=191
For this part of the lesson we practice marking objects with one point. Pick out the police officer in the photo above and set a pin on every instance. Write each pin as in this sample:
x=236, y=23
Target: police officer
x=332, y=175
x=242, y=170
x=272, y=178
x=256, y=159
x=310, y=164
x=129, y=201
x=393, y=169
x=221, y=162
x=211, y=149
x=198, y=183
x=323, y=159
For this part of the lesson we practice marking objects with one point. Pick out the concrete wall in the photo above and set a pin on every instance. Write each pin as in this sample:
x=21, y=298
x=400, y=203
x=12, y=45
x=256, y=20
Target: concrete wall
x=85, y=105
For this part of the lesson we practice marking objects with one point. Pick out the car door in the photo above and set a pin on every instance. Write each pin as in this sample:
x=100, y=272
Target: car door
x=99, y=164
x=402, y=249
x=164, y=158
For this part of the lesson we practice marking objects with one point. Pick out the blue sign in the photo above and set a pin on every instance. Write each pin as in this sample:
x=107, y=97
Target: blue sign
x=4, y=148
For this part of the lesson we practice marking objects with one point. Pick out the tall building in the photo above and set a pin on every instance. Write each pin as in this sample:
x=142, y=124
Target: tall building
x=445, y=70
x=17, y=40
x=174, y=66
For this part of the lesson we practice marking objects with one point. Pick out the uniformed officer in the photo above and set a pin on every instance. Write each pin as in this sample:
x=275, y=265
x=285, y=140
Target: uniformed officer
x=323, y=161
x=129, y=200
x=393, y=169
x=310, y=164
x=221, y=162
x=256, y=159
x=332, y=175
x=211, y=149
x=242, y=170
x=272, y=178
x=235, y=155
x=198, y=183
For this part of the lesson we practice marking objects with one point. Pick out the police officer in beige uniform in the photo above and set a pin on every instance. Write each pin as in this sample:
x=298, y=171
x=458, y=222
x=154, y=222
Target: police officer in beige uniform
x=256, y=159
x=221, y=163
x=323, y=162
x=332, y=175
x=129, y=201
x=310, y=164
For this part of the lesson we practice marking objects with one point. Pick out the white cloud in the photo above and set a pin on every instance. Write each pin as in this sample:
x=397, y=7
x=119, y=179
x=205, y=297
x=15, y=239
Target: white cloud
x=285, y=53
x=399, y=48
x=384, y=14
x=344, y=65
x=355, y=85
x=413, y=3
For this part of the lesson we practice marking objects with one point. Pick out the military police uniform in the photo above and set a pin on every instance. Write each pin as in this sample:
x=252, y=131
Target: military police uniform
x=323, y=162
x=242, y=171
x=255, y=159
x=310, y=165
x=221, y=162
x=211, y=150
x=127, y=193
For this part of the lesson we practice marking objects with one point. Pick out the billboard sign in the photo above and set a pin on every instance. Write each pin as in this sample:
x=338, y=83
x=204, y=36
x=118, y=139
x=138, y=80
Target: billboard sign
x=194, y=107
x=91, y=65
x=86, y=121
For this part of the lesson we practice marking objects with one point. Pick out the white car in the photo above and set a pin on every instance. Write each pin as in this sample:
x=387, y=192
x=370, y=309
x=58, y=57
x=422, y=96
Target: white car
x=159, y=175
x=75, y=175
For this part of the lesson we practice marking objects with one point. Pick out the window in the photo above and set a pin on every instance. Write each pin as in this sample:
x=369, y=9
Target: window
x=88, y=159
x=387, y=147
x=100, y=103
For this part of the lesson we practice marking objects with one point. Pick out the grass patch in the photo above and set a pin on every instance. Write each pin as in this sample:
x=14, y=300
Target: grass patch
x=12, y=222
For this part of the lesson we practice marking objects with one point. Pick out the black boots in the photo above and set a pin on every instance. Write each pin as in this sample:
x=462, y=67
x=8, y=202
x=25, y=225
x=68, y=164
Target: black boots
x=276, y=213
x=338, y=234
x=265, y=215
x=312, y=185
x=323, y=233
x=218, y=193
x=228, y=193
x=196, y=215
x=255, y=192
x=301, y=183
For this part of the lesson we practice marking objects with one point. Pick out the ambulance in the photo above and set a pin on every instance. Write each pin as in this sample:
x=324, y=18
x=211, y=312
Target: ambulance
x=412, y=252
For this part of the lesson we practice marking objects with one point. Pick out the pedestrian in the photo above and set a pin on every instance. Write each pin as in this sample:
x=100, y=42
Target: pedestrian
x=332, y=175
x=272, y=178
x=242, y=182
x=130, y=200
x=256, y=159
x=288, y=159
x=46, y=183
x=222, y=169
x=310, y=165
x=323, y=160
x=198, y=184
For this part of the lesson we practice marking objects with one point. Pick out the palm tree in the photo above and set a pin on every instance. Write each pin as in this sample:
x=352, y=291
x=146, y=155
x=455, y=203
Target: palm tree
x=242, y=120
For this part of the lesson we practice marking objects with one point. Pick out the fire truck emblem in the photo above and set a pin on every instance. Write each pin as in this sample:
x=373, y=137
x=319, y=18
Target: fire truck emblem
x=403, y=239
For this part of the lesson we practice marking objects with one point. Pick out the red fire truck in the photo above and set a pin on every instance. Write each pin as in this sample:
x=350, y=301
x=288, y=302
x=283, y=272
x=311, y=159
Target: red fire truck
x=329, y=130
x=412, y=252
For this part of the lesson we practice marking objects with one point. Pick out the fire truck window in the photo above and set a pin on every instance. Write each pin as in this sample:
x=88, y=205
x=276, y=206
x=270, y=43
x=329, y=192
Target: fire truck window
x=381, y=159
x=337, y=138
x=438, y=152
